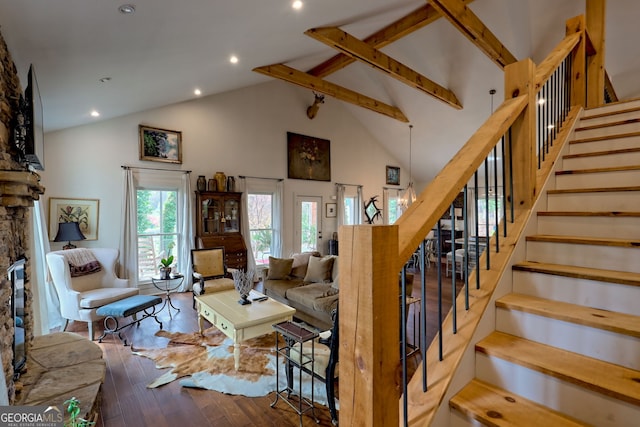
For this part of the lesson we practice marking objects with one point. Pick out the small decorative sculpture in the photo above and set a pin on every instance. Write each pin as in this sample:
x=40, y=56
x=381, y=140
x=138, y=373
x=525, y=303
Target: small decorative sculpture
x=243, y=282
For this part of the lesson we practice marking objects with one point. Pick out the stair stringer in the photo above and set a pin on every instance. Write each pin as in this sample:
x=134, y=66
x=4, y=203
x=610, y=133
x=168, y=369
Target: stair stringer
x=465, y=371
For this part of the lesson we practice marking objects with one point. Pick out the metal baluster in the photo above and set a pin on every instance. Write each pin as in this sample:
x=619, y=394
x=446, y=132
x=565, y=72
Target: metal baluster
x=439, y=251
x=454, y=311
x=475, y=205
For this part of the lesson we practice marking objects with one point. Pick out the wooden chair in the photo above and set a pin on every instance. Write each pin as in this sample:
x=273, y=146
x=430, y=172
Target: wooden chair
x=209, y=271
x=325, y=367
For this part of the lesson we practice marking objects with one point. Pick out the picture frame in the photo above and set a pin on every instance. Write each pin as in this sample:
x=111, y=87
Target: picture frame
x=308, y=157
x=84, y=211
x=331, y=210
x=393, y=175
x=160, y=145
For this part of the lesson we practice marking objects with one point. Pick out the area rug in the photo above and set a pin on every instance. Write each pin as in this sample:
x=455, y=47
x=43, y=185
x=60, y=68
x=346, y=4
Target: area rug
x=207, y=362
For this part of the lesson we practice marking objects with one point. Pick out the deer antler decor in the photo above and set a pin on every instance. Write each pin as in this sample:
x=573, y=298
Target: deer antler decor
x=313, y=109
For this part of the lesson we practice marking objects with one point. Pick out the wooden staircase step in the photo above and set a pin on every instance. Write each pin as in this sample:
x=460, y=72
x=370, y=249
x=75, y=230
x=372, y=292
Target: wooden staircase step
x=602, y=153
x=590, y=214
x=605, y=137
x=598, y=170
x=594, y=190
x=608, y=124
x=581, y=240
x=494, y=406
x=619, y=323
x=589, y=116
x=609, y=276
x=592, y=374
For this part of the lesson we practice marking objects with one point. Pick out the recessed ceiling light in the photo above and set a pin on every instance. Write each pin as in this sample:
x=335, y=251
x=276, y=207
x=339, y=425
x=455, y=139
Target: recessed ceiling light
x=297, y=5
x=197, y=92
x=105, y=79
x=233, y=59
x=127, y=9
x=94, y=113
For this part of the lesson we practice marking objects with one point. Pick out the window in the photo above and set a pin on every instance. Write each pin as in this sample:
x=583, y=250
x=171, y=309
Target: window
x=350, y=210
x=260, y=211
x=487, y=214
x=157, y=230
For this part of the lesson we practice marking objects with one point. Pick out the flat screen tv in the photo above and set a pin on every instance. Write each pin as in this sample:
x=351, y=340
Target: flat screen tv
x=34, y=135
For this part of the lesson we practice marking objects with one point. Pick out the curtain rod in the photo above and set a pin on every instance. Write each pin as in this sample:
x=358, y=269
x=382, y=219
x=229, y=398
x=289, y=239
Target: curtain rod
x=260, y=177
x=154, y=169
x=352, y=185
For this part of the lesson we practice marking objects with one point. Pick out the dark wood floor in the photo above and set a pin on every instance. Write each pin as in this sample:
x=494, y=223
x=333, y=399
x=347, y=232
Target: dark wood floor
x=127, y=402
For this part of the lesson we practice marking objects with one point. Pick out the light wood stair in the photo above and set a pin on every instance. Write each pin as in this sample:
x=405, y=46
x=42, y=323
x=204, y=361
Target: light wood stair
x=566, y=345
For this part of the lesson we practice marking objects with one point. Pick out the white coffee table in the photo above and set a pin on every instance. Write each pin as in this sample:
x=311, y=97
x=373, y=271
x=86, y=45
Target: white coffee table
x=240, y=322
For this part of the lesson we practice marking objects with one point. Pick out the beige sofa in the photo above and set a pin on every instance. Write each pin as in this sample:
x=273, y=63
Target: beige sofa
x=307, y=282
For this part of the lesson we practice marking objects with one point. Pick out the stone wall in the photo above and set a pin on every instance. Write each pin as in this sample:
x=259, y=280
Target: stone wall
x=14, y=214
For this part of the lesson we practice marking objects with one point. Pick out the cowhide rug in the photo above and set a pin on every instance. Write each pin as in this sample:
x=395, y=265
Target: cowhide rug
x=207, y=362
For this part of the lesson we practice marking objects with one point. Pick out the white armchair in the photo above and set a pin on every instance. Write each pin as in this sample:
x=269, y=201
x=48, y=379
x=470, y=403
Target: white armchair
x=81, y=296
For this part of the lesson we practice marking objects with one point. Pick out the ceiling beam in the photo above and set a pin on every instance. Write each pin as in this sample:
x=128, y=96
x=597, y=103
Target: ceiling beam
x=472, y=27
x=396, y=30
x=361, y=51
x=291, y=75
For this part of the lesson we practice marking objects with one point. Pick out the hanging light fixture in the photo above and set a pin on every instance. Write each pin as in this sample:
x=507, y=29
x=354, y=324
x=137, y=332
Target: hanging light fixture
x=491, y=190
x=409, y=195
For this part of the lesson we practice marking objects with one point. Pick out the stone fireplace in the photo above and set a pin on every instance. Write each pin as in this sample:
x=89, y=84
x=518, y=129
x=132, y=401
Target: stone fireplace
x=18, y=189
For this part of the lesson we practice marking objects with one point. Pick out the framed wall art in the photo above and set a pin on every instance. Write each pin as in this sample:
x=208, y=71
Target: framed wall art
x=393, y=175
x=160, y=145
x=331, y=210
x=308, y=157
x=83, y=211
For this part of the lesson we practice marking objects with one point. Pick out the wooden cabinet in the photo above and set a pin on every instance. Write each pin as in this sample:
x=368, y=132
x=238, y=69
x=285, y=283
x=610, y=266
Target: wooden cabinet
x=218, y=219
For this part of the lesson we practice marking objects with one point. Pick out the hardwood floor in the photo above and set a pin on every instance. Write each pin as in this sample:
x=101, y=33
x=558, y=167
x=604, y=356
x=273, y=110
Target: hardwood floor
x=127, y=402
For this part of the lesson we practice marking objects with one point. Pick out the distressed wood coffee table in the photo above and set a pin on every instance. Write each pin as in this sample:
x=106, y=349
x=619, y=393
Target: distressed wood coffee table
x=240, y=322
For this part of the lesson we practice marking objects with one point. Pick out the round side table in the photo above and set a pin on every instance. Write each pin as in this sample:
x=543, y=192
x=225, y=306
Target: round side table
x=167, y=286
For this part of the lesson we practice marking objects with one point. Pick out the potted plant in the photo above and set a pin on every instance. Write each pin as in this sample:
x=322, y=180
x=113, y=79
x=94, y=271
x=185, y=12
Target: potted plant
x=165, y=267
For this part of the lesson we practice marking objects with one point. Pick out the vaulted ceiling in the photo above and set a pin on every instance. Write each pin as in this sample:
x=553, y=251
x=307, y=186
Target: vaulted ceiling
x=436, y=72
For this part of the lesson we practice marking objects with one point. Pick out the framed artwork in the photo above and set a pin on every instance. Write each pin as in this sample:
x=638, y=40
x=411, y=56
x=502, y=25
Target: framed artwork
x=83, y=211
x=308, y=157
x=160, y=145
x=331, y=210
x=393, y=175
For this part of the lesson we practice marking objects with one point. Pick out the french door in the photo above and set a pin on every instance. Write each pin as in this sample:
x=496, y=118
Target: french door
x=308, y=223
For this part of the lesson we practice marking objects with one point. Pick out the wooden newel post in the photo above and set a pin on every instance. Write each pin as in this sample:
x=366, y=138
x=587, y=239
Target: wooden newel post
x=369, y=331
x=579, y=62
x=520, y=80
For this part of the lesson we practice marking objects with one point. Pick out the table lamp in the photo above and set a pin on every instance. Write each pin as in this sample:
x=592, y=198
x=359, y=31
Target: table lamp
x=69, y=231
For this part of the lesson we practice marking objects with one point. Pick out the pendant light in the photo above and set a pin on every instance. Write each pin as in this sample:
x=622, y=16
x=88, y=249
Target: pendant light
x=490, y=189
x=409, y=195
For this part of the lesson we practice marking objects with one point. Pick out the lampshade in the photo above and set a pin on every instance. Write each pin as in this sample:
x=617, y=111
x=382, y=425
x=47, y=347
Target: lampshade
x=69, y=231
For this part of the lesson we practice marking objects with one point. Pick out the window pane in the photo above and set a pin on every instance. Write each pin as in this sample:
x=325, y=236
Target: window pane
x=157, y=230
x=260, y=211
x=349, y=211
x=309, y=227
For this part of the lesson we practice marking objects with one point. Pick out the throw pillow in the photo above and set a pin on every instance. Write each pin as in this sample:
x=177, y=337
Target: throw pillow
x=319, y=270
x=279, y=268
x=300, y=262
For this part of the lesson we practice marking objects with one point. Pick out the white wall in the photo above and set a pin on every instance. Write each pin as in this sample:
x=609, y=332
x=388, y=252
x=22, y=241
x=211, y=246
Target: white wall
x=241, y=132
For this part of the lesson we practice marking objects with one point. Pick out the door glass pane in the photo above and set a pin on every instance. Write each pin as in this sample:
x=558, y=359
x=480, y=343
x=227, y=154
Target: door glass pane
x=309, y=226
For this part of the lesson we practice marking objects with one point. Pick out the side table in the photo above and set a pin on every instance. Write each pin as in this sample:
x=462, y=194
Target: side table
x=167, y=286
x=295, y=337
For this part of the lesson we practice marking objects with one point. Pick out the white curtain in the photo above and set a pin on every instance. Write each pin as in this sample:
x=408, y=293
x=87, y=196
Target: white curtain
x=359, y=206
x=161, y=180
x=46, y=305
x=340, y=202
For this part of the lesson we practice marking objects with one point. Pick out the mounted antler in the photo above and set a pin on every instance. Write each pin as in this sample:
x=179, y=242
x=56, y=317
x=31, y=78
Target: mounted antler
x=313, y=109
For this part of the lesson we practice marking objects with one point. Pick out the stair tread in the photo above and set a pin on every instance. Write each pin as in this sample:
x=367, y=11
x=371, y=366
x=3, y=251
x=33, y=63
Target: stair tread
x=604, y=137
x=618, y=382
x=610, y=276
x=598, y=170
x=589, y=213
x=620, y=323
x=584, y=240
x=608, y=124
x=593, y=190
x=494, y=406
x=589, y=116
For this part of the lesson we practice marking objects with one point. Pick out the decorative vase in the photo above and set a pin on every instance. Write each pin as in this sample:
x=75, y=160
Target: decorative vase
x=201, y=184
x=231, y=184
x=165, y=273
x=243, y=282
x=221, y=180
x=213, y=185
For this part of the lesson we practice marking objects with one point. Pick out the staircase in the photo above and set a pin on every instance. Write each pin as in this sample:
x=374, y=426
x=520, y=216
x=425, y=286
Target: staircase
x=566, y=349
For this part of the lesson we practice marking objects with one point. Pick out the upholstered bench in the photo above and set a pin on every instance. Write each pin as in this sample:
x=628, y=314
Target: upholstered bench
x=128, y=307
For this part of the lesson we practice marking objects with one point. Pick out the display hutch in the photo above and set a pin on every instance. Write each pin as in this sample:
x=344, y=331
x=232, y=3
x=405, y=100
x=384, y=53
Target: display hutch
x=218, y=218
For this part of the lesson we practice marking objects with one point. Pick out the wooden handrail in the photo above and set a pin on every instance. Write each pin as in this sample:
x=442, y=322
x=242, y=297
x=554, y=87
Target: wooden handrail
x=423, y=214
x=546, y=68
